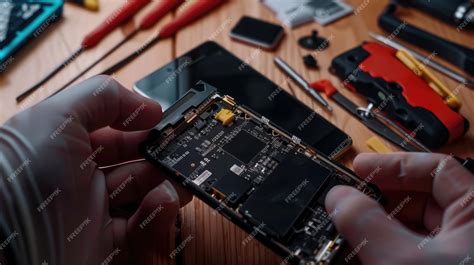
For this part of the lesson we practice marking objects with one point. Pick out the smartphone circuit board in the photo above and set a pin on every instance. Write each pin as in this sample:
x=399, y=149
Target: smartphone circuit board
x=258, y=176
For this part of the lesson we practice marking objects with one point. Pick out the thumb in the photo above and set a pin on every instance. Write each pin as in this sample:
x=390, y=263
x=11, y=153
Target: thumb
x=372, y=233
x=151, y=223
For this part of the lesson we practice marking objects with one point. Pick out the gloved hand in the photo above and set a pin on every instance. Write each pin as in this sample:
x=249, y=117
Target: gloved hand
x=57, y=206
x=429, y=217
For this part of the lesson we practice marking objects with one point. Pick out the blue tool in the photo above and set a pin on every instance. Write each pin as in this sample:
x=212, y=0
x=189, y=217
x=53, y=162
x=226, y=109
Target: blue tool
x=21, y=21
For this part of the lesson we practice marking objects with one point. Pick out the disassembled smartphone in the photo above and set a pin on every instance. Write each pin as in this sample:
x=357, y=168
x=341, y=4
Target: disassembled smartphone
x=263, y=179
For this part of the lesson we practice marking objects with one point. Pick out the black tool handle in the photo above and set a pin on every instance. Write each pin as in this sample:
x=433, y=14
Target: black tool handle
x=443, y=9
x=468, y=163
x=458, y=55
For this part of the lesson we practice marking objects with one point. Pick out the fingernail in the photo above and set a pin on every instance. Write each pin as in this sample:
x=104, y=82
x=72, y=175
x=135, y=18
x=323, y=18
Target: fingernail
x=335, y=195
x=170, y=191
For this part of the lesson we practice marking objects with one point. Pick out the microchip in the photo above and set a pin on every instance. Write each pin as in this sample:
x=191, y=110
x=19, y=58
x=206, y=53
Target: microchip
x=331, y=183
x=237, y=170
x=279, y=157
x=232, y=187
x=200, y=124
x=284, y=195
x=205, y=115
x=244, y=147
x=187, y=165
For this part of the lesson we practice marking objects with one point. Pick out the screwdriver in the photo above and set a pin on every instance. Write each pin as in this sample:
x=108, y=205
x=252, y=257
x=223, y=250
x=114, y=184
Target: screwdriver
x=123, y=13
x=192, y=13
x=150, y=19
x=301, y=82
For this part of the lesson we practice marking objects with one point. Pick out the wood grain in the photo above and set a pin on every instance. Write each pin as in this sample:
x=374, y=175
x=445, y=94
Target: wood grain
x=212, y=239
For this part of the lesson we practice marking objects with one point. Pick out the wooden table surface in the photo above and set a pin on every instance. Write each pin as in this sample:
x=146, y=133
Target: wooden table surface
x=209, y=238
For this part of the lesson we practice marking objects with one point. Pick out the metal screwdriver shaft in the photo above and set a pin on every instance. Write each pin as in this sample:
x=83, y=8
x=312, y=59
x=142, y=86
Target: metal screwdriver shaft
x=186, y=17
x=122, y=14
x=301, y=82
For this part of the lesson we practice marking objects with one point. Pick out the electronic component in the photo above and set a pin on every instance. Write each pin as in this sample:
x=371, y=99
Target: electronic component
x=328, y=11
x=225, y=116
x=313, y=42
x=255, y=174
x=297, y=12
x=244, y=147
x=237, y=170
x=257, y=32
x=200, y=124
x=231, y=187
x=279, y=195
x=310, y=61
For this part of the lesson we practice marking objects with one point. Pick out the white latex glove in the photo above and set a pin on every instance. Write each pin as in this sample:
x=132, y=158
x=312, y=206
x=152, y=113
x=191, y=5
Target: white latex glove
x=429, y=217
x=57, y=206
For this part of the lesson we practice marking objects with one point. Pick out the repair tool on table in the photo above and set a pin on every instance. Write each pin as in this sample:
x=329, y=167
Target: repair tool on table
x=363, y=115
x=92, y=5
x=456, y=12
x=157, y=13
x=122, y=14
x=374, y=71
x=381, y=125
x=313, y=41
x=459, y=55
x=297, y=12
x=310, y=61
x=420, y=70
x=301, y=82
x=192, y=13
x=21, y=21
x=433, y=64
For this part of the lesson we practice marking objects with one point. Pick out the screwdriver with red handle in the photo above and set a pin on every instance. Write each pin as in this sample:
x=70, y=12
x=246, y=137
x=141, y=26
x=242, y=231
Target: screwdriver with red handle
x=119, y=16
x=192, y=13
x=188, y=16
x=148, y=21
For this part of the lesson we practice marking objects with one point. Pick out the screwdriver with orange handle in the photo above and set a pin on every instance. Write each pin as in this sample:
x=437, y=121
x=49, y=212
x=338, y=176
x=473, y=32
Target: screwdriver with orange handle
x=119, y=16
x=192, y=13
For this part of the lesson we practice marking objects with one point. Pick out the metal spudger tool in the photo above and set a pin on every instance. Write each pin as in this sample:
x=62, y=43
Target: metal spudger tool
x=438, y=67
x=123, y=13
x=193, y=12
x=301, y=82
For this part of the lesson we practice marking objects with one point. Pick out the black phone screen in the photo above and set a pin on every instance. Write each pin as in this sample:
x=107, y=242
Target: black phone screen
x=214, y=65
